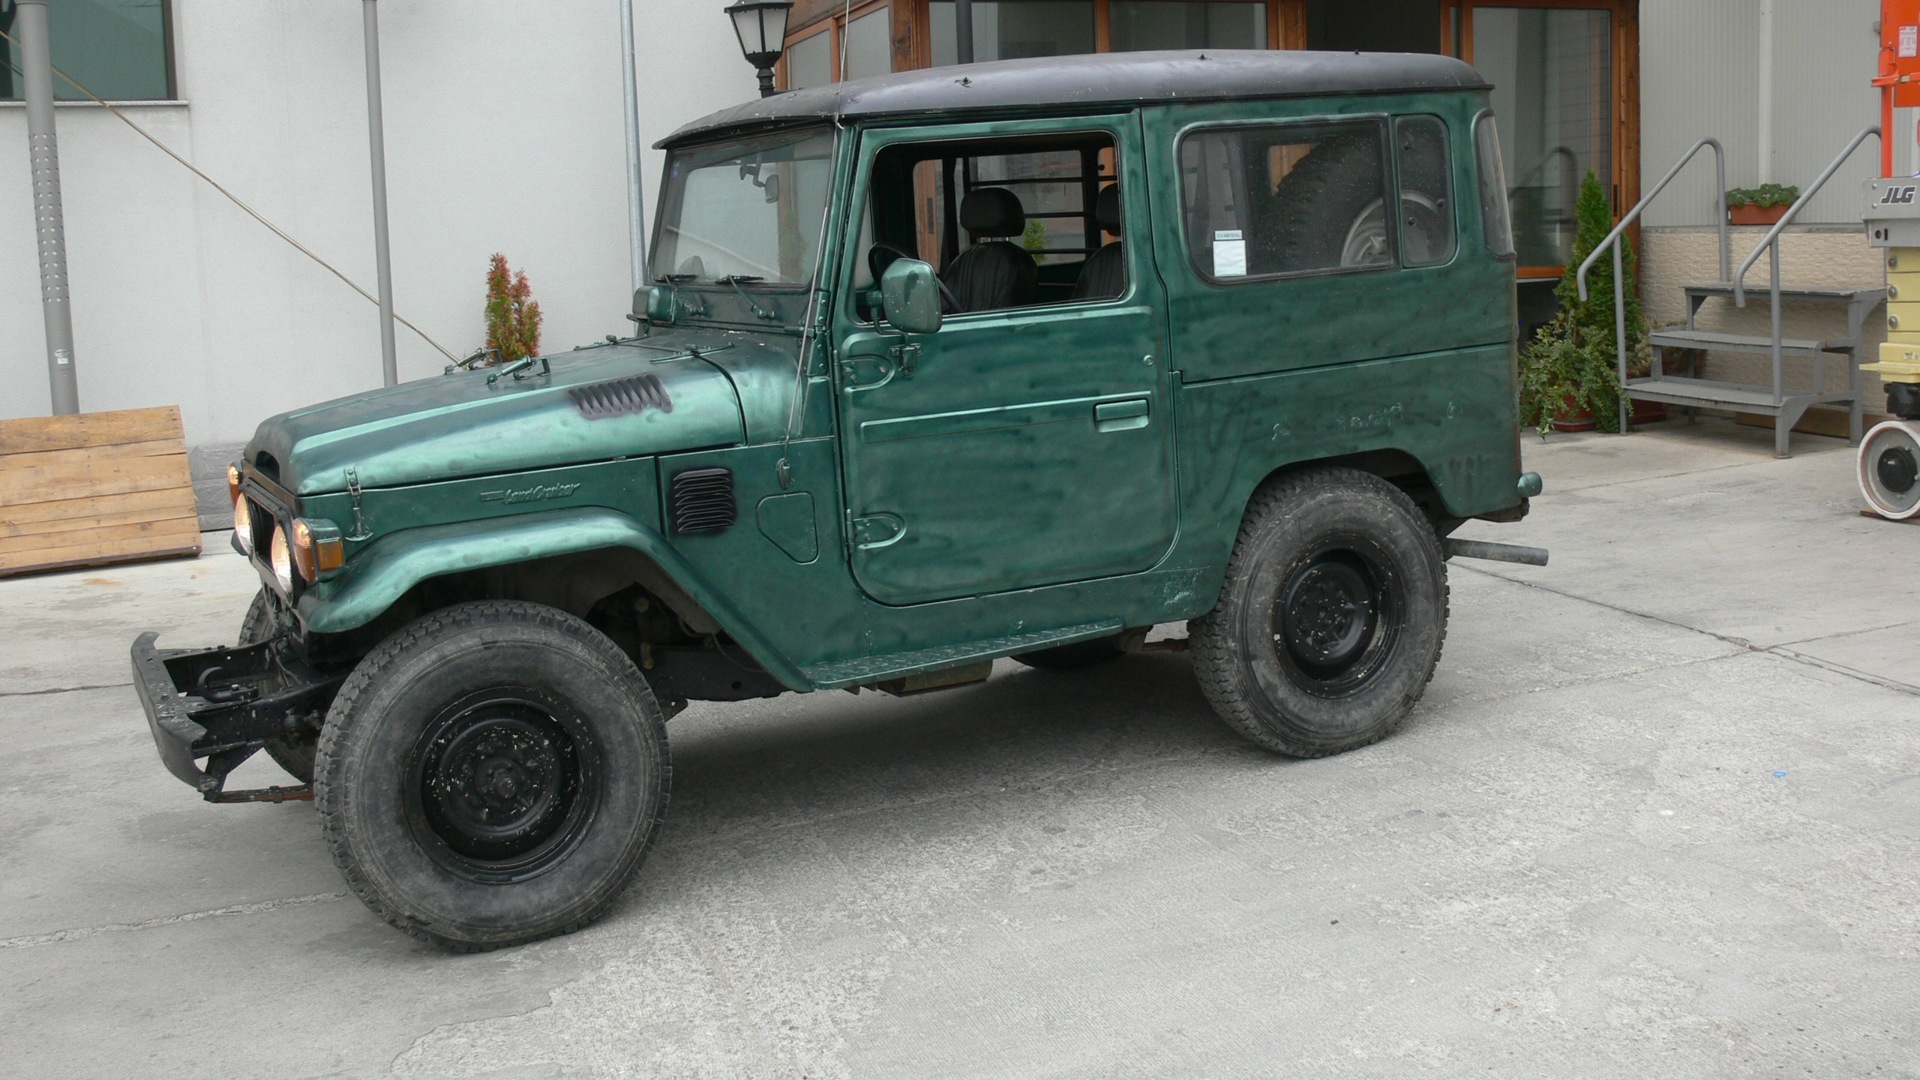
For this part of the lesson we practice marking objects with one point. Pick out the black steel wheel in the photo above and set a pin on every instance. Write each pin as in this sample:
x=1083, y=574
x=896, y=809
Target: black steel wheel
x=292, y=752
x=501, y=784
x=492, y=774
x=1336, y=617
x=1331, y=617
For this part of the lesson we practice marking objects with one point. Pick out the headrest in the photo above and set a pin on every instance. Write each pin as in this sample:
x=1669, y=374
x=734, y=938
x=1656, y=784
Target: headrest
x=1106, y=208
x=992, y=212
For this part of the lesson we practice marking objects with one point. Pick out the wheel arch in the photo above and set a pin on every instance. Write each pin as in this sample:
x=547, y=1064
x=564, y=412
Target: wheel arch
x=571, y=560
x=1392, y=464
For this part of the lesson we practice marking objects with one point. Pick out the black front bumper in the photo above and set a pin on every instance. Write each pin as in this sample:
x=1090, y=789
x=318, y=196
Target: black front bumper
x=222, y=705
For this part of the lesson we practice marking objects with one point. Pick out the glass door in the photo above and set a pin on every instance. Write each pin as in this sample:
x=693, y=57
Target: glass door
x=1556, y=77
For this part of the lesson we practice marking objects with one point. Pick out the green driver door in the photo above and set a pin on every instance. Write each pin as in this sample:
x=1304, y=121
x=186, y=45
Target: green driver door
x=1027, y=441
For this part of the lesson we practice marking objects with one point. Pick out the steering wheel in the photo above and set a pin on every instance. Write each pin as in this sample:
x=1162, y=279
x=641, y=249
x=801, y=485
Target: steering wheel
x=883, y=254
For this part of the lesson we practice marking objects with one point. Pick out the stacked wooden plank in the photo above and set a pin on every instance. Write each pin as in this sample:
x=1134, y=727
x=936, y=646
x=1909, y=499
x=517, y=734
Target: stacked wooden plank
x=94, y=488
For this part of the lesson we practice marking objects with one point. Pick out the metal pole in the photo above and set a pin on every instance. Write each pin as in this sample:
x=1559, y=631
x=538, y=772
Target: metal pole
x=636, y=197
x=43, y=157
x=377, y=150
x=963, y=31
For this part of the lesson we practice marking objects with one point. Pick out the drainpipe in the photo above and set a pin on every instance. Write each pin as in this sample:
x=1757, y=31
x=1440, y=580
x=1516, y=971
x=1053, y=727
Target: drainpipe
x=1764, y=98
x=636, y=198
x=963, y=31
x=43, y=157
x=377, y=152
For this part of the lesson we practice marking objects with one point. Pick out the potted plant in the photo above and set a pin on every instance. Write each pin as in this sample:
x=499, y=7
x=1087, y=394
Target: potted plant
x=1763, y=205
x=1569, y=378
x=1568, y=381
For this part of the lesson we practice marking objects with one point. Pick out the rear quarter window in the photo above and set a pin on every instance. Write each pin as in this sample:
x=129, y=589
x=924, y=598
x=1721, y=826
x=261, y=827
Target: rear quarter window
x=1495, y=218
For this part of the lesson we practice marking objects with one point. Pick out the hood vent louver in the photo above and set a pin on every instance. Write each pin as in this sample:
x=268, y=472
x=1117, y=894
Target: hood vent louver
x=620, y=397
x=701, y=501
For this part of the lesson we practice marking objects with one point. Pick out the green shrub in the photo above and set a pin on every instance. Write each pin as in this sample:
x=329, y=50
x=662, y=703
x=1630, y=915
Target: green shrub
x=1570, y=364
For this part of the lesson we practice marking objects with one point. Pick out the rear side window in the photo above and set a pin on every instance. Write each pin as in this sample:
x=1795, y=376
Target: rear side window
x=1426, y=190
x=1495, y=218
x=1286, y=199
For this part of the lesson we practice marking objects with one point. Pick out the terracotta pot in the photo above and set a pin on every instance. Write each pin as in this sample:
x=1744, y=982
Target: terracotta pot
x=1649, y=412
x=1749, y=214
x=1572, y=419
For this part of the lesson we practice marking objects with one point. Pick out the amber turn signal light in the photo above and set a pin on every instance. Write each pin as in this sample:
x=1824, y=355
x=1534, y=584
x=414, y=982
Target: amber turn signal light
x=316, y=548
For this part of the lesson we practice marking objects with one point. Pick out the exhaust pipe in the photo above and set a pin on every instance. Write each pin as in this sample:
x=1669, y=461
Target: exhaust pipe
x=1481, y=549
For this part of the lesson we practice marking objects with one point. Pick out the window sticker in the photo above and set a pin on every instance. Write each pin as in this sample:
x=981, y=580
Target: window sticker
x=1229, y=253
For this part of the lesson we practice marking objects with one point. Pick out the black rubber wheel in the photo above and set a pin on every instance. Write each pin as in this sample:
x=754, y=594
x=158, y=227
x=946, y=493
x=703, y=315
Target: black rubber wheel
x=1324, y=204
x=293, y=753
x=492, y=774
x=1080, y=654
x=1332, y=616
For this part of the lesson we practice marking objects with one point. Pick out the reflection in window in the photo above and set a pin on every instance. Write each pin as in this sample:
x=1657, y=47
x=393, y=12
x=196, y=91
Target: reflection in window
x=748, y=208
x=810, y=61
x=869, y=48
x=1285, y=200
x=1167, y=24
x=115, y=48
x=1552, y=75
x=1011, y=29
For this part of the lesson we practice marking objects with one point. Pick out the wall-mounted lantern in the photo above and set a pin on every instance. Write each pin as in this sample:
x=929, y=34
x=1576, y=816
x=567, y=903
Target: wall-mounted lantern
x=762, y=28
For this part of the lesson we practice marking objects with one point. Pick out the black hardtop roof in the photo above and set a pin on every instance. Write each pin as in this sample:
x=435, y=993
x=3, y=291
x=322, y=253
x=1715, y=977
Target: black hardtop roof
x=1096, y=79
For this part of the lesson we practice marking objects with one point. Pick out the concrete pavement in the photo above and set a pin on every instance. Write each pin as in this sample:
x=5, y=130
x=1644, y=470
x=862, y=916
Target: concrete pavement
x=1658, y=815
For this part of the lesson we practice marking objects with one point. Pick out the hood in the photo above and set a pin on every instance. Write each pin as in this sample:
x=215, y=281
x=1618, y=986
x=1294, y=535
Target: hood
x=635, y=397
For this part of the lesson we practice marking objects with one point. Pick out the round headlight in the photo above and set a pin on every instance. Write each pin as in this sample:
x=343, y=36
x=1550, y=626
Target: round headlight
x=282, y=560
x=243, y=525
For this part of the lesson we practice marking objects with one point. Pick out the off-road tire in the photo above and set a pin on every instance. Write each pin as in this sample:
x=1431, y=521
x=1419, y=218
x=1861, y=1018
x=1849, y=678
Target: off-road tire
x=1080, y=654
x=1314, y=541
x=294, y=752
x=411, y=755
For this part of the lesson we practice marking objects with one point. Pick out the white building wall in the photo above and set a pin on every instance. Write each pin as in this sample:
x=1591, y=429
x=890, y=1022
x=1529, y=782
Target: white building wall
x=1701, y=65
x=503, y=133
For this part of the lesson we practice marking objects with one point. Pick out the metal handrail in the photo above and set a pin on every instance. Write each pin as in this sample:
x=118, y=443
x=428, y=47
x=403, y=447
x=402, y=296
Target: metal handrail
x=1619, y=272
x=1771, y=243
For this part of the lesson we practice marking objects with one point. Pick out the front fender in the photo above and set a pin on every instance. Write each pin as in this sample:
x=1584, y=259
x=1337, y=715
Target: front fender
x=382, y=573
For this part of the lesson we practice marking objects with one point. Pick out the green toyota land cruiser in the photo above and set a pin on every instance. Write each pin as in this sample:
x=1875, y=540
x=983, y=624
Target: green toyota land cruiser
x=1017, y=359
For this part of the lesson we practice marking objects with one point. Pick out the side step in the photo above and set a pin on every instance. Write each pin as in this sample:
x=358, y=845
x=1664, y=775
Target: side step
x=871, y=669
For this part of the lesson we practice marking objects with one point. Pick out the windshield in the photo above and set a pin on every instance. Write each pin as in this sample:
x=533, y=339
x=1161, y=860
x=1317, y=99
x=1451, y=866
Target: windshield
x=744, y=210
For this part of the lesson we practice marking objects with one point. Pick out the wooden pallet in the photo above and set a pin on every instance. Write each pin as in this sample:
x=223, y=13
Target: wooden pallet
x=94, y=488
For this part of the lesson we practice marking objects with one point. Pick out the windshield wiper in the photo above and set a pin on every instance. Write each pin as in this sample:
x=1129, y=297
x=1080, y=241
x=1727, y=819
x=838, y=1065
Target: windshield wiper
x=736, y=280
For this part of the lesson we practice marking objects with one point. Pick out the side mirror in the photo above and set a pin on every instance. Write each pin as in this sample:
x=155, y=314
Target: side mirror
x=910, y=296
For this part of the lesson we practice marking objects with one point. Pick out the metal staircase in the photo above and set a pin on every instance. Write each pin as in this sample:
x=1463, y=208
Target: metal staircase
x=1786, y=404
